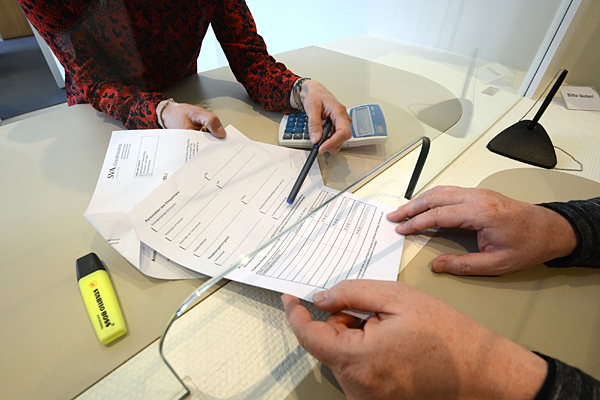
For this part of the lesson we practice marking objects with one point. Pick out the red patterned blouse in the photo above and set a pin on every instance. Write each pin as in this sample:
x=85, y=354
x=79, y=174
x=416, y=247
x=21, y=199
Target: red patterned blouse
x=118, y=54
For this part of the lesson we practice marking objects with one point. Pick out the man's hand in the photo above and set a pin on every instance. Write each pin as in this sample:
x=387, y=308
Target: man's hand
x=187, y=116
x=511, y=235
x=414, y=347
x=319, y=105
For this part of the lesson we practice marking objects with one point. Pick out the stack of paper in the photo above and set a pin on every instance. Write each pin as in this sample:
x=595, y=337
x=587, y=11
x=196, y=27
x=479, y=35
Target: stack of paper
x=222, y=200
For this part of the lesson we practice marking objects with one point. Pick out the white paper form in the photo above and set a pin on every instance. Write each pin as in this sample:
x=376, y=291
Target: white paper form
x=136, y=163
x=221, y=206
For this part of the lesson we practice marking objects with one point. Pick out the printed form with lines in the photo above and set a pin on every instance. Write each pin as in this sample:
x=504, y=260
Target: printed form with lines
x=229, y=199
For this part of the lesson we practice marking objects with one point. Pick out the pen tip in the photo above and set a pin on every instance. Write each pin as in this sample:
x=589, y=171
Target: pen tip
x=289, y=201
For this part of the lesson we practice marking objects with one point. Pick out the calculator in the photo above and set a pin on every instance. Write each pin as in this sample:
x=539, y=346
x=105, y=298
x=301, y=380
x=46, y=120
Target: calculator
x=368, y=127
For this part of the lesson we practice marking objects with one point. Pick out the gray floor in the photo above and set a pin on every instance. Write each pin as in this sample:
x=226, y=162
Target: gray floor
x=26, y=83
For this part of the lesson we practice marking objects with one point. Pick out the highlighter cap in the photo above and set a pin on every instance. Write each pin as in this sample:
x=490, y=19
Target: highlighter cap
x=88, y=264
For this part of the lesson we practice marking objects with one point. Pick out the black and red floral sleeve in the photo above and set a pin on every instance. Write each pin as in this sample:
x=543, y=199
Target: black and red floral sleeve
x=266, y=81
x=77, y=33
x=119, y=54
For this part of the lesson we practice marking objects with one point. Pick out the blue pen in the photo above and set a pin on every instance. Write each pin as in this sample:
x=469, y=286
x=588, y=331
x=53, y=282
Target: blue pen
x=309, y=161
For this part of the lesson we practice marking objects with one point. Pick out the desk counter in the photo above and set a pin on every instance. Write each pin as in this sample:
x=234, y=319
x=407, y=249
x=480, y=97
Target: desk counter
x=50, y=165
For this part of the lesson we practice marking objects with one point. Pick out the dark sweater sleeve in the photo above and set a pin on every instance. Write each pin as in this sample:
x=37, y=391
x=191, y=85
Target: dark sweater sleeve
x=584, y=217
x=564, y=382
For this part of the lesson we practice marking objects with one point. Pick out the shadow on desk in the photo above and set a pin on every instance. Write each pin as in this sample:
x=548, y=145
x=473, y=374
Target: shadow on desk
x=218, y=92
x=64, y=141
x=320, y=383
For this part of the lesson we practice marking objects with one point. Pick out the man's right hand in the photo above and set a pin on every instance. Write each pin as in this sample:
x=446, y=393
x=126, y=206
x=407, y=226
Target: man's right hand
x=413, y=347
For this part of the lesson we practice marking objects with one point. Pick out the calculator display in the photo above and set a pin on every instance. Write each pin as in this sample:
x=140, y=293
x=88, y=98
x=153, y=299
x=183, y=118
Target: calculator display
x=362, y=118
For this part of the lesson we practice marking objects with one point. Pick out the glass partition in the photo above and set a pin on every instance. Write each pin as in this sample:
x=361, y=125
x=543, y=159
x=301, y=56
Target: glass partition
x=516, y=38
x=445, y=70
x=455, y=67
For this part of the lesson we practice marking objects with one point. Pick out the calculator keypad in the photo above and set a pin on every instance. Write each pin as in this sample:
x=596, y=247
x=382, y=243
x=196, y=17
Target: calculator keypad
x=293, y=128
x=296, y=127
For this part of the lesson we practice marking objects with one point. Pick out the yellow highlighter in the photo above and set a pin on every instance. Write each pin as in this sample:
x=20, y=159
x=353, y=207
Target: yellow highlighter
x=100, y=299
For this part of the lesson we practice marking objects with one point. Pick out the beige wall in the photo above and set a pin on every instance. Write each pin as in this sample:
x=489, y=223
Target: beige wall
x=12, y=20
x=579, y=51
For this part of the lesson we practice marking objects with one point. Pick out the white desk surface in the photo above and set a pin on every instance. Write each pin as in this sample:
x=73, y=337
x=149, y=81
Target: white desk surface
x=25, y=146
x=268, y=341
x=255, y=365
x=52, y=163
x=47, y=342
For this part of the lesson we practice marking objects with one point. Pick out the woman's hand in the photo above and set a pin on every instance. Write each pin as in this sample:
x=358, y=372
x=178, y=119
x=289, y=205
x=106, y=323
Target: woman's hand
x=187, y=116
x=319, y=104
